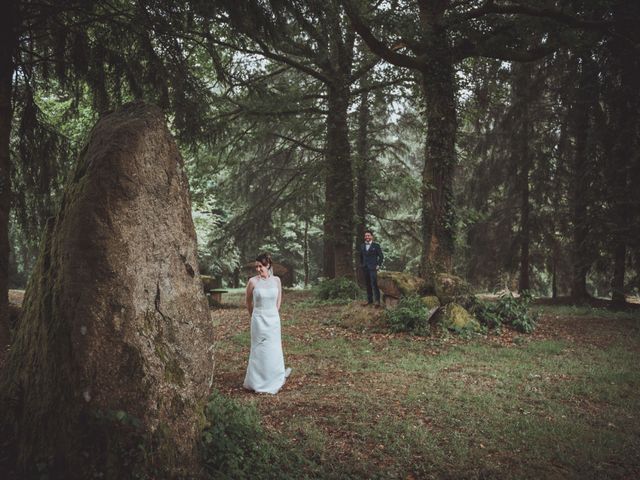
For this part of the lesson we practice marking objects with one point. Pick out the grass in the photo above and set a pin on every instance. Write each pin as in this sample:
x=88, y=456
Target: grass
x=588, y=311
x=560, y=403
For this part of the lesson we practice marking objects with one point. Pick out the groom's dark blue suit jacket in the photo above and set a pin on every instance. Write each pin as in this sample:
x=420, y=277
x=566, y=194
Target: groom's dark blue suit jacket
x=371, y=258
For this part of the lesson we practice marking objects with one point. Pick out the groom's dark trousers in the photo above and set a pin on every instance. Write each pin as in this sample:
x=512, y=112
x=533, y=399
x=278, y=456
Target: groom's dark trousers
x=370, y=260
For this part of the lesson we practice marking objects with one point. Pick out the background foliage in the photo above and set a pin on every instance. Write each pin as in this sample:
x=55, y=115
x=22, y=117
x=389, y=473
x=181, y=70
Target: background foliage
x=542, y=196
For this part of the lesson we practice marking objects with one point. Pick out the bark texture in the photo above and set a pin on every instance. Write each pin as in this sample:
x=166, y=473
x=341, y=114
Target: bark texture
x=338, y=222
x=581, y=257
x=115, y=317
x=438, y=86
x=362, y=177
x=339, y=186
x=522, y=163
x=8, y=42
x=625, y=102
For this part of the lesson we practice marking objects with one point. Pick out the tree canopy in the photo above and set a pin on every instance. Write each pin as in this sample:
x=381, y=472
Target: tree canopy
x=495, y=139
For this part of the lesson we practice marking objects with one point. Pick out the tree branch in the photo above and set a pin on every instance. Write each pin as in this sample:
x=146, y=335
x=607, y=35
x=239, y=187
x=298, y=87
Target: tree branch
x=306, y=146
x=468, y=49
x=265, y=52
x=375, y=86
x=376, y=46
x=490, y=7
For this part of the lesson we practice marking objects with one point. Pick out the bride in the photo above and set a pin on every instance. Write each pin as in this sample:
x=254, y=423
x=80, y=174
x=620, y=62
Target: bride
x=265, y=372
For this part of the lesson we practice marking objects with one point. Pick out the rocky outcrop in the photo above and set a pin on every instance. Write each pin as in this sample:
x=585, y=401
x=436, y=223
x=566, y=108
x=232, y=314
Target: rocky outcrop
x=395, y=285
x=114, y=345
x=457, y=318
x=446, y=307
x=430, y=301
x=451, y=288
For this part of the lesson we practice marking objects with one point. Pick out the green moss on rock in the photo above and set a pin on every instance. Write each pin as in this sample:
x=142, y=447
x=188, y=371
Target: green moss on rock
x=400, y=284
x=457, y=318
x=451, y=288
x=173, y=373
x=431, y=301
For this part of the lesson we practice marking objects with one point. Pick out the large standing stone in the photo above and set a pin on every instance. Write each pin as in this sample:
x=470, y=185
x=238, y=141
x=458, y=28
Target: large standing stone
x=115, y=341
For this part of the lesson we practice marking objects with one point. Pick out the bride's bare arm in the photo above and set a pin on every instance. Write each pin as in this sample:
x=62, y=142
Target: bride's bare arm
x=279, y=292
x=249, y=296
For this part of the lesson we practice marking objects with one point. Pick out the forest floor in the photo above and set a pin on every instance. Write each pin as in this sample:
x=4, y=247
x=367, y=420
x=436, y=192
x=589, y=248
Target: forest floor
x=559, y=403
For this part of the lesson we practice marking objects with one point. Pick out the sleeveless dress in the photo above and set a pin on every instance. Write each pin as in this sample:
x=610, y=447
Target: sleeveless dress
x=265, y=372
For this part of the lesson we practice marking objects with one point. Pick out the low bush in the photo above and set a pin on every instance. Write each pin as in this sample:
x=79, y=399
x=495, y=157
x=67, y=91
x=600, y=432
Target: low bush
x=410, y=315
x=338, y=289
x=508, y=310
x=235, y=446
x=234, y=443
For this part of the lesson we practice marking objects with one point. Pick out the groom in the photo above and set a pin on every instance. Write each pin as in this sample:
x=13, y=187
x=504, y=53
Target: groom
x=370, y=261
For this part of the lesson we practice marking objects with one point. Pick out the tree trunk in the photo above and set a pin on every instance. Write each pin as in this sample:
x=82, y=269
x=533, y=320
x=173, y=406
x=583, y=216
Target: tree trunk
x=339, y=184
x=236, y=277
x=8, y=21
x=362, y=167
x=521, y=161
x=617, y=282
x=554, y=279
x=328, y=254
x=305, y=258
x=580, y=177
x=625, y=102
x=438, y=219
x=525, y=230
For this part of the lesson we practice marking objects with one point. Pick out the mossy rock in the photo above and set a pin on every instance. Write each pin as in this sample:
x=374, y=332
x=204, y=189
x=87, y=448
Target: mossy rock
x=451, y=288
x=116, y=276
x=456, y=317
x=431, y=301
x=399, y=284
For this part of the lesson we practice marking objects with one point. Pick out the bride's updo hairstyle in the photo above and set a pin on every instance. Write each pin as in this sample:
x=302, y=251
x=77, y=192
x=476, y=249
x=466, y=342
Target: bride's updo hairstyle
x=265, y=260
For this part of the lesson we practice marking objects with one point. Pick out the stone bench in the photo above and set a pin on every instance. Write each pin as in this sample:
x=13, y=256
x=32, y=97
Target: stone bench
x=216, y=294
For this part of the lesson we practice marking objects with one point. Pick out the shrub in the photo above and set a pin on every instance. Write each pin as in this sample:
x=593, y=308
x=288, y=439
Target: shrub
x=487, y=314
x=410, y=315
x=338, y=289
x=234, y=443
x=235, y=446
x=508, y=310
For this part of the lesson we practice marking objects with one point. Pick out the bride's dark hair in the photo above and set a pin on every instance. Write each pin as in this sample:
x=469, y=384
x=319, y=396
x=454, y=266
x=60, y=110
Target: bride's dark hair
x=264, y=259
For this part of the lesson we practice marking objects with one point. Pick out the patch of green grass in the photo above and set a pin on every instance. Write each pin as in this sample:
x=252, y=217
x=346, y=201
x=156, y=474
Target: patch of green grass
x=242, y=339
x=526, y=403
x=587, y=311
x=374, y=406
x=546, y=347
x=315, y=303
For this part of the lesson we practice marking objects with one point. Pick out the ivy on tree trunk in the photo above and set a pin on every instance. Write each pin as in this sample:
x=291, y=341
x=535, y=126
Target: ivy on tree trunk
x=438, y=219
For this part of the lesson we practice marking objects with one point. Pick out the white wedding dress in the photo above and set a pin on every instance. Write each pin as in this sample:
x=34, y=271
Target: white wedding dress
x=265, y=372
